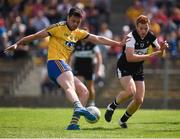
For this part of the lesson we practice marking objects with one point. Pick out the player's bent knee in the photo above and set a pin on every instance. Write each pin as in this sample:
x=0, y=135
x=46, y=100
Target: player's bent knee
x=138, y=101
x=130, y=91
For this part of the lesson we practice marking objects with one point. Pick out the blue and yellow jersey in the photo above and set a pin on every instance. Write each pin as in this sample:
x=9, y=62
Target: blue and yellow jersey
x=62, y=41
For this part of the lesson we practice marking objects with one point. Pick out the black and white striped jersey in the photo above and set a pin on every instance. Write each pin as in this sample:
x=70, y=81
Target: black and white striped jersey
x=85, y=50
x=140, y=47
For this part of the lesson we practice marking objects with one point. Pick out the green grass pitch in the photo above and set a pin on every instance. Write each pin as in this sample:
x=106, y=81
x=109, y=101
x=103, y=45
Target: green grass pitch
x=51, y=123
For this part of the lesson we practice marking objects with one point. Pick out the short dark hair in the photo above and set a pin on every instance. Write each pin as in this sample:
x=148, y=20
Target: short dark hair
x=75, y=12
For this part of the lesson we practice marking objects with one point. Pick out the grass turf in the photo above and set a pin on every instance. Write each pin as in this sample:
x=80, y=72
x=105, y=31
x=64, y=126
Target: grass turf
x=51, y=122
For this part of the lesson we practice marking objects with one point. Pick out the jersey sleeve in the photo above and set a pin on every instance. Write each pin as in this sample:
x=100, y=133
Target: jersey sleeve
x=82, y=34
x=131, y=41
x=52, y=29
x=155, y=44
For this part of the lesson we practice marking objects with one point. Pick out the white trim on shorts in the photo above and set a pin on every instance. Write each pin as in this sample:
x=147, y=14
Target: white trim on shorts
x=119, y=73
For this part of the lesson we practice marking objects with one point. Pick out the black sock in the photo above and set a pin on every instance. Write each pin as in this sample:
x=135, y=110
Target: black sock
x=125, y=117
x=113, y=105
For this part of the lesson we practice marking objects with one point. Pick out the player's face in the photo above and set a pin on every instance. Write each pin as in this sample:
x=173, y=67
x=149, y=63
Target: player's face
x=142, y=29
x=73, y=22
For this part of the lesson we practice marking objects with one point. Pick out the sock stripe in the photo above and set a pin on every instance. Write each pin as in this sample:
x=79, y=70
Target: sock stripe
x=127, y=114
x=115, y=103
x=75, y=118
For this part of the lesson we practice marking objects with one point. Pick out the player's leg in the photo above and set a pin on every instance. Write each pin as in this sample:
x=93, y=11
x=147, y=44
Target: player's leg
x=60, y=72
x=67, y=82
x=134, y=105
x=89, y=77
x=81, y=90
x=83, y=94
x=91, y=88
x=128, y=86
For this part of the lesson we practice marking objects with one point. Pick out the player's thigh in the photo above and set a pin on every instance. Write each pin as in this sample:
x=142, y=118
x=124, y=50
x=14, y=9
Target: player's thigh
x=81, y=78
x=66, y=80
x=140, y=89
x=128, y=84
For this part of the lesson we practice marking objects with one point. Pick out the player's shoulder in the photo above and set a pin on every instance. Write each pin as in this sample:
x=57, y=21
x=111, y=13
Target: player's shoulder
x=151, y=35
x=130, y=34
x=59, y=24
x=131, y=37
x=81, y=32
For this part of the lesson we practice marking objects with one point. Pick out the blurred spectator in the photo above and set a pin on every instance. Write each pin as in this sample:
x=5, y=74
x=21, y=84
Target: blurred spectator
x=5, y=7
x=173, y=47
x=176, y=16
x=63, y=8
x=106, y=32
x=30, y=27
x=103, y=7
x=155, y=27
x=18, y=29
x=115, y=50
x=28, y=10
x=134, y=11
x=92, y=16
x=38, y=6
x=3, y=36
x=160, y=17
x=178, y=40
x=52, y=12
x=40, y=21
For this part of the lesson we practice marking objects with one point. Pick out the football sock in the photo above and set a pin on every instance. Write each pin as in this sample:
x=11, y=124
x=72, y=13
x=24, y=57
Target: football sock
x=75, y=119
x=113, y=105
x=91, y=103
x=125, y=117
x=77, y=104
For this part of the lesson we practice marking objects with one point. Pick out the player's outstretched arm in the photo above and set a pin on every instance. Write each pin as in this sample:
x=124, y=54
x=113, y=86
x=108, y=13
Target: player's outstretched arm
x=29, y=38
x=103, y=40
x=162, y=47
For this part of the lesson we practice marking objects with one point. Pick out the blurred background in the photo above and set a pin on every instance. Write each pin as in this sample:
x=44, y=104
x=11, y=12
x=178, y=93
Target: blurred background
x=23, y=74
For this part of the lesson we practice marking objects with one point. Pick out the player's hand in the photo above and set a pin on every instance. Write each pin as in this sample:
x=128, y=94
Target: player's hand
x=11, y=48
x=125, y=40
x=164, y=45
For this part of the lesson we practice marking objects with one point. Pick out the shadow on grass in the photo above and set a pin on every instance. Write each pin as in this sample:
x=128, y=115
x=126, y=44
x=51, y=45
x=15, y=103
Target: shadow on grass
x=164, y=123
x=102, y=128
x=141, y=123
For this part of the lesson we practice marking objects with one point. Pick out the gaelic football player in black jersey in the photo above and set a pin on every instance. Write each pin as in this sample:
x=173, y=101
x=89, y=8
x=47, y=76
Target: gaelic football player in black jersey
x=130, y=69
x=87, y=62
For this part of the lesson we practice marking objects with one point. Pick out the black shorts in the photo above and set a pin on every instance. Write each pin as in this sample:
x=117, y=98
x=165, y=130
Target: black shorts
x=136, y=73
x=84, y=67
